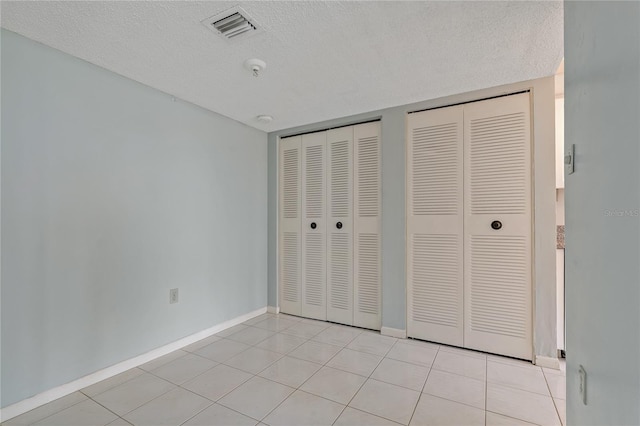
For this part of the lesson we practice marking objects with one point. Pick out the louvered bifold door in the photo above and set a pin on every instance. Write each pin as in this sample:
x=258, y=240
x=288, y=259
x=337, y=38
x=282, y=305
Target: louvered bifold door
x=435, y=225
x=498, y=300
x=289, y=223
x=340, y=225
x=367, y=243
x=314, y=264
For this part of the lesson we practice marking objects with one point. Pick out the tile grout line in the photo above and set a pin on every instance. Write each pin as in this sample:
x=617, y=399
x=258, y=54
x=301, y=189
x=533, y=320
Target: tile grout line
x=363, y=383
x=486, y=388
x=553, y=399
x=423, y=386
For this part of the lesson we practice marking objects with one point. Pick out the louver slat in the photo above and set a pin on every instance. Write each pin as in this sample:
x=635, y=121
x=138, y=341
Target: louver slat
x=435, y=161
x=498, y=305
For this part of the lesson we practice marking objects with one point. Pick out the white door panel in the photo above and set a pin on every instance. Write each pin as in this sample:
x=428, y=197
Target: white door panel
x=314, y=293
x=434, y=225
x=340, y=225
x=289, y=235
x=498, y=302
x=367, y=243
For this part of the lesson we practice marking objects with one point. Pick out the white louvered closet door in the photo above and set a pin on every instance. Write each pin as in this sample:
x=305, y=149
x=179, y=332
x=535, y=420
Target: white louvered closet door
x=340, y=225
x=289, y=238
x=434, y=225
x=498, y=299
x=314, y=264
x=367, y=242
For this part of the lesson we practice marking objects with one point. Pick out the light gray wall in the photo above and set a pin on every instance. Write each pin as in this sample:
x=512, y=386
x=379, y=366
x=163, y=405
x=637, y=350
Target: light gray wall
x=602, y=118
x=393, y=204
x=112, y=193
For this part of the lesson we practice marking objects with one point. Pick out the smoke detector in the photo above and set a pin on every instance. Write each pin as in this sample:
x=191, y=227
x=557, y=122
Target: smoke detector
x=233, y=24
x=255, y=66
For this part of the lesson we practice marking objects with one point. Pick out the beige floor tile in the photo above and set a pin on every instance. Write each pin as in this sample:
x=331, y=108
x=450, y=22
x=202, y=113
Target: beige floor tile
x=456, y=388
x=454, y=362
x=557, y=385
x=355, y=362
x=413, y=353
x=529, y=379
x=107, y=384
x=281, y=343
x=494, y=419
x=251, y=335
x=316, y=352
x=372, y=343
x=119, y=422
x=253, y=360
x=257, y=397
x=183, y=369
x=130, y=395
x=217, y=382
x=222, y=350
x=259, y=318
x=432, y=411
x=338, y=335
x=231, y=330
x=171, y=409
x=276, y=324
x=523, y=405
x=201, y=343
x=336, y=385
x=217, y=415
x=304, y=329
x=160, y=361
x=86, y=413
x=561, y=407
x=46, y=410
x=304, y=409
x=290, y=371
x=352, y=417
x=401, y=373
x=385, y=400
x=512, y=361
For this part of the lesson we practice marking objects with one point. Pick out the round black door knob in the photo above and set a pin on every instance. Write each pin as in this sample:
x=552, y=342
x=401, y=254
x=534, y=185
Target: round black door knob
x=313, y=225
x=339, y=225
x=496, y=224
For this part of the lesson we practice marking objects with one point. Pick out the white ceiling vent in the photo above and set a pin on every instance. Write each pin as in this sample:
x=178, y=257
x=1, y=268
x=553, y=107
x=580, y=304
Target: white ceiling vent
x=233, y=24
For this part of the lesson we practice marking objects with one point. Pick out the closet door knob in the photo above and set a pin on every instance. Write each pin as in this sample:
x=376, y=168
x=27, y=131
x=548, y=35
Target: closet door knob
x=496, y=224
x=339, y=225
x=313, y=225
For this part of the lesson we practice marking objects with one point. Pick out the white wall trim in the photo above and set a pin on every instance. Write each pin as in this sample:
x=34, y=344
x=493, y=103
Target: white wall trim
x=273, y=309
x=45, y=397
x=547, y=362
x=394, y=332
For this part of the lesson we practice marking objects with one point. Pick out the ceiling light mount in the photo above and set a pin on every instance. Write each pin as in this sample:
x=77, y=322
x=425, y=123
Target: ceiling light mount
x=255, y=66
x=266, y=119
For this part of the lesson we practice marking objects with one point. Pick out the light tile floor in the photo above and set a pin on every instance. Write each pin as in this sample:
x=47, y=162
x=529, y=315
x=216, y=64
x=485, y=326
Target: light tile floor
x=283, y=370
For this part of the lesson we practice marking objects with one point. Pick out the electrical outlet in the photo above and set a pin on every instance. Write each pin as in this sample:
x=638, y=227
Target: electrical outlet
x=173, y=295
x=583, y=384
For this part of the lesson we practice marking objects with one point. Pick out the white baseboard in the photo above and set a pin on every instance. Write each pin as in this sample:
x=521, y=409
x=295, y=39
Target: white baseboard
x=45, y=397
x=273, y=309
x=394, y=332
x=547, y=362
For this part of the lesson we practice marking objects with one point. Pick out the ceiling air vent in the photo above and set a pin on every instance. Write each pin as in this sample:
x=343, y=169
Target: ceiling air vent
x=232, y=24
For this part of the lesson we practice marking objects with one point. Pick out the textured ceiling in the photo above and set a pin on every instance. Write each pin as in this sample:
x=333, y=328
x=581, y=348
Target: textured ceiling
x=325, y=59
